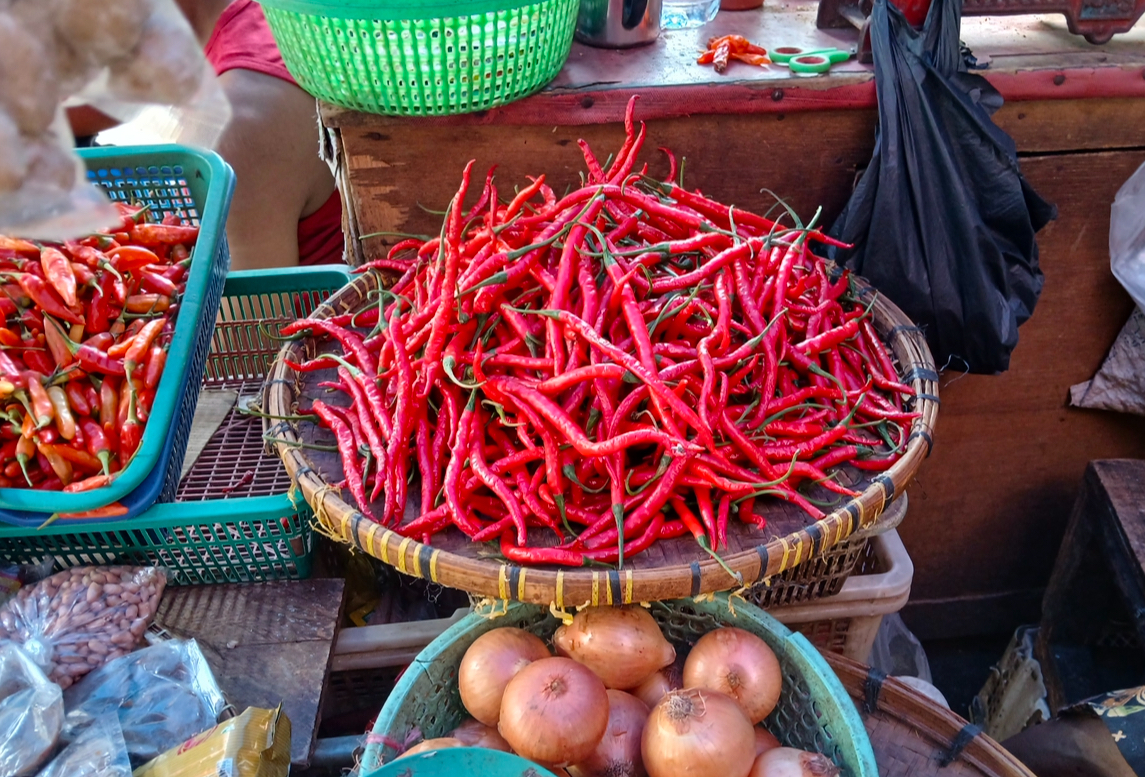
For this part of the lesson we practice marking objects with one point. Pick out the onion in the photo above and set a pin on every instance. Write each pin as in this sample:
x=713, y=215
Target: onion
x=441, y=743
x=488, y=666
x=554, y=712
x=764, y=741
x=789, y=762
x=474, y=733
x=740, y=664
x=623, y=645
x=618, y=754
x=699, y=733
x=656, y=687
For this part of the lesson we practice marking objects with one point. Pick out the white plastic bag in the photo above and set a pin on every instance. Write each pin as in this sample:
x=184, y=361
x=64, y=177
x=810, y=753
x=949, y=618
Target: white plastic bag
x=31, y=713
x=1127, y=236
x=132, y=59
x=162, y=695
x=898, y=652
x=97, y=752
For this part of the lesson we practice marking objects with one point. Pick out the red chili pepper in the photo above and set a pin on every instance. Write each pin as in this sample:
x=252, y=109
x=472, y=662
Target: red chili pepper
x=164, y=234
x=348, y=452
x=112, y=510
x=147, y=303
x=46, y=298
x=58, y=271
x=156, y=361
x=154, y=282
x=96, y=443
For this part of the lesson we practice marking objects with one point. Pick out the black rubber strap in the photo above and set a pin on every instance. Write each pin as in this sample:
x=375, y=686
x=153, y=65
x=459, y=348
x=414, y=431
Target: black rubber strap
x=924, y=435
x=920, y=373
x=964, y=737
x=896, y=331
x=872, y=688
x=303, y=471
x=932, y=397
x=278, y=428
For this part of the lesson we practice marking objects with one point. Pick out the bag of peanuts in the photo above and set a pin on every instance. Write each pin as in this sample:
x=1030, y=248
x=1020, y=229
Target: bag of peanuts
x=81, y=618
x=31, y=713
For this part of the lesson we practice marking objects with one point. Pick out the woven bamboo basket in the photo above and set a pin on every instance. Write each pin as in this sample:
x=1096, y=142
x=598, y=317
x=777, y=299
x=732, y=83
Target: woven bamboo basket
x=668, y=570
x=913, y=736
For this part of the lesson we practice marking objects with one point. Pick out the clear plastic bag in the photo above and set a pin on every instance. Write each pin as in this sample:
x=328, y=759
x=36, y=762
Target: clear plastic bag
x=162, y=695
x=898, y=652
x=98, y=752
x=31, y=713
x=13, y=577
x=79, y=619
x=1127, y=236
x=131, y=59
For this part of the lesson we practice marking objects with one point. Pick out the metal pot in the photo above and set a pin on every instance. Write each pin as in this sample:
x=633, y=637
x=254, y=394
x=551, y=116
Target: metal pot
x=618, y=24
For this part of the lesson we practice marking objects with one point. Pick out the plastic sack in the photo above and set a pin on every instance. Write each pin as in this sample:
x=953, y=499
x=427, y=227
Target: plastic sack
x=897, y=651
x=1120, y=383
x=162, y=696
x=1127, y=236
x=81, y=618
x=13, y=577
x=942, y=221
x=98, y=752
x=31, y=713
x=126, y=58
x=254, y=744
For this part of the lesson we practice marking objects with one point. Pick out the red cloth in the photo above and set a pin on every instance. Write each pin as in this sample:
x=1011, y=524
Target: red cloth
x=242, y=40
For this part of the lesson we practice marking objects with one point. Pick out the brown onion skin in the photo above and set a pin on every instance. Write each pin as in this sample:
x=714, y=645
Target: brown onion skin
x=554, y=712
x=656, y=687
x=698, y=732
x=764, y=741
x=739, y=664
x=790, y=762
x=474, y=733
x=618, y=754
x=441, y=743
x=622, y=645
x=490, y=663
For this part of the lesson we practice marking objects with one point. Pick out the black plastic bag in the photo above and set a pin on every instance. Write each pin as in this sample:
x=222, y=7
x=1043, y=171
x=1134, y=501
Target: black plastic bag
x=942, y=220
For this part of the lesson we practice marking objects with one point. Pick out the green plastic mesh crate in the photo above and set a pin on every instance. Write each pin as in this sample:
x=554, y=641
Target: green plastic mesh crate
x=233, y=519
x=814, y=711
x=422, y=57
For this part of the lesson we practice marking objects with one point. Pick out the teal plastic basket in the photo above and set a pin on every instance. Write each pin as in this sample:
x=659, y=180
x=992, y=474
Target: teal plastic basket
x=197, y=186
x=254, y=533
x=814, y=712
x=422, y=57
x=457, y=761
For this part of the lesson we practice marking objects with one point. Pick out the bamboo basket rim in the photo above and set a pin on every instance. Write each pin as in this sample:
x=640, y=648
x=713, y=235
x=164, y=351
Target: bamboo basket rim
x=951, y=733
x=577, y=587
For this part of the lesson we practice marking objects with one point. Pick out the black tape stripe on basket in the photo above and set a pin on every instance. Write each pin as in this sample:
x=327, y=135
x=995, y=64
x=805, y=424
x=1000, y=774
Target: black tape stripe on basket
x=276, y=381
x=888, y=485
x=816, y=535
x=424, y=553
x=964, y=737
x=614, y=586
x=695, y=566
x=514, y=577
x=872, y=687
x=930, y=397
x=356, y=518
x=920, y=373
x=897, y=330
x=278, y=428
x=764, y=559
x=924, y=435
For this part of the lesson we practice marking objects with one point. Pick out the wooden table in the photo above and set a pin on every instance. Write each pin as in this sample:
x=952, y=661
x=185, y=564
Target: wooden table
x=267, y=644
x=989, y=508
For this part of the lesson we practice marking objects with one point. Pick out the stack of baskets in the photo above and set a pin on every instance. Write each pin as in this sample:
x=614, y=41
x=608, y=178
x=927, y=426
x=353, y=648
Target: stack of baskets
x=422, y=57
x=210, y=524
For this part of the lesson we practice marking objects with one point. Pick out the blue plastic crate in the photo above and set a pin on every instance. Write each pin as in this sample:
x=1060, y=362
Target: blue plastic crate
x=197, y=186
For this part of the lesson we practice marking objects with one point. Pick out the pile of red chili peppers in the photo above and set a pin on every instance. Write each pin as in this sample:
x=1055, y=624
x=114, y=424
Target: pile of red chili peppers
x=87, y=328
x=630, y=362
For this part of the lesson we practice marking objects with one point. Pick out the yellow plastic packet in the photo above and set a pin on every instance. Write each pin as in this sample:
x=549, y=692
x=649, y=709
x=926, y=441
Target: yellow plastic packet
x=255, y=744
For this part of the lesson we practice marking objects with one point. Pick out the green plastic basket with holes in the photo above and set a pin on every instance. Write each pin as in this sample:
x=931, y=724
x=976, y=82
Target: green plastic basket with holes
x=422, y=57
x=814, y=710
x=233, y=519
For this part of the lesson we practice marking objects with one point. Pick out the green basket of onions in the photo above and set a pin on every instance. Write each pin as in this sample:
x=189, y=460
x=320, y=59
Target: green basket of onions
x=706, y=688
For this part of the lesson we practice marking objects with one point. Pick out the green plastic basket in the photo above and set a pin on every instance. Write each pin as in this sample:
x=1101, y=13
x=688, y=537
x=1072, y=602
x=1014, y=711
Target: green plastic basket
x=814, y=712
x=422, y=57
x=457, y=761
x=254, y=533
